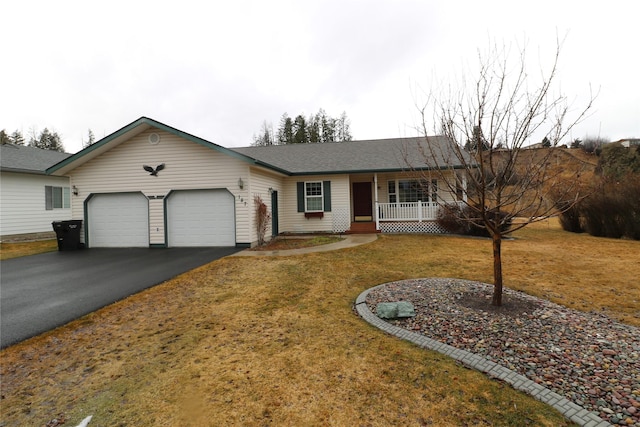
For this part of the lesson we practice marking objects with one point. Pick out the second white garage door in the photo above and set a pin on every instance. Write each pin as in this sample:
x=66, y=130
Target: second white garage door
x=119, y=220
x=201, y=218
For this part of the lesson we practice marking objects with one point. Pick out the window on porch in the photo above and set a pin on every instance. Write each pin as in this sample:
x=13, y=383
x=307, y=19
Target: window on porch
x=411, y=191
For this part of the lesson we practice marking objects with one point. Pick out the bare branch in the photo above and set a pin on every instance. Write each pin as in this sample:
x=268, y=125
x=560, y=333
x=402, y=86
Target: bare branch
x=508, y=185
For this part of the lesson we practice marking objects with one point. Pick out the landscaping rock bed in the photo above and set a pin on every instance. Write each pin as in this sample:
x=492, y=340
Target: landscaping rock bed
x=586, y=357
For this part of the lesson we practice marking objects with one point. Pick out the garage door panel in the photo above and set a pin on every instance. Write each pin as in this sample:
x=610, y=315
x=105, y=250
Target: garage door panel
x=118, y=220
x=201, y=218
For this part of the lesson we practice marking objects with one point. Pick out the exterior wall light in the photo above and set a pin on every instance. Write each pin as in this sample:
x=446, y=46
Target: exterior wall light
x=240, y=183
x=75, y=190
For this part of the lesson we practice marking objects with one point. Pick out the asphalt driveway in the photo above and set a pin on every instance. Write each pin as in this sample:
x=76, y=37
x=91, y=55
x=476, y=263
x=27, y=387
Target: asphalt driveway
x=41, y=292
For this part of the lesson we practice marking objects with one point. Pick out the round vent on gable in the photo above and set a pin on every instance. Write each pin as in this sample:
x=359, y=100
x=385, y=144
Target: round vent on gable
x=154, y=139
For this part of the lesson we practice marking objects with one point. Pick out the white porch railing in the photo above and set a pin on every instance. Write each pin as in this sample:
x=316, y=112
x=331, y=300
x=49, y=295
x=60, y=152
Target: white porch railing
x=407, y=211
x=423, y=213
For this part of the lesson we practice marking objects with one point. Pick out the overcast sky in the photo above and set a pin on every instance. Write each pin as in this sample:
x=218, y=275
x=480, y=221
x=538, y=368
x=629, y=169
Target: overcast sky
x=218, y=69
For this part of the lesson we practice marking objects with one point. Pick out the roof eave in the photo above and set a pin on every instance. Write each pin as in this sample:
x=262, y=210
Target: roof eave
x=269, y=166
x=29, y=171
x=128, y=132
x=361, y=171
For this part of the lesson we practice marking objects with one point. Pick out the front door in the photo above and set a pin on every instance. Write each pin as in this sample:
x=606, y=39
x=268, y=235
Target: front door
x=362, y=201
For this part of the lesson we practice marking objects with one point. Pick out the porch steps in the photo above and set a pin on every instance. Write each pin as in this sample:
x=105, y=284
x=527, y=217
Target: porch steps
x=362, y=228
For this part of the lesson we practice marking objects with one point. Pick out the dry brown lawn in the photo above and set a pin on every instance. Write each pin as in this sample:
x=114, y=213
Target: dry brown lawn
x=288, y=243
x=259, y=341
x=18, y=249
x=576, y=270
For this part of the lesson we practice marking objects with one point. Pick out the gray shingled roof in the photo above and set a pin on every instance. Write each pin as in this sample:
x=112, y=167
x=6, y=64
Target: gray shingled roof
x=378, y=155
x=356, y=156
x=22, y=158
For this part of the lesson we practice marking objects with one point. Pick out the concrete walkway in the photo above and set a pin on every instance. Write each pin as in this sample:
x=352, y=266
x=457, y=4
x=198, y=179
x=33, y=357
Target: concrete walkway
x=350, y=240
x=570, y=410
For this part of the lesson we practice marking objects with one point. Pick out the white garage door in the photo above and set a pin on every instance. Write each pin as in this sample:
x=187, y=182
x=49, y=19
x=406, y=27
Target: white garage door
x=201, y=218
x=118, y=220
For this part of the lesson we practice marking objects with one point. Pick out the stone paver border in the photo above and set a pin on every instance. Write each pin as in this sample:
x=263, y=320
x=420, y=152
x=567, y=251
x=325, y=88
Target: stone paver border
x=570, y=410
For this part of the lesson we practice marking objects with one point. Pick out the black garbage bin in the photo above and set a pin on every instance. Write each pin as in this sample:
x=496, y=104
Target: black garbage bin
x=68, y=234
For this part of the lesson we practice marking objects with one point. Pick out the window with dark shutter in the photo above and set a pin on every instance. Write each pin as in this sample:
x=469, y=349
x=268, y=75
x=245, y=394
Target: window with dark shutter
x=314, y=196
x=300, y=186
x=327, y=195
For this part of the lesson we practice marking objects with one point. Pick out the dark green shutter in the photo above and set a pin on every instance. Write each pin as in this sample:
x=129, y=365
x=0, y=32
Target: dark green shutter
x=326, y=191
x=300, y=196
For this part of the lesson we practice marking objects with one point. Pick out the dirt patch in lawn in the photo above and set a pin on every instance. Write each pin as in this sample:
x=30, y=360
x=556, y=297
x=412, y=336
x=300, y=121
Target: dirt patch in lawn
x=511, y=307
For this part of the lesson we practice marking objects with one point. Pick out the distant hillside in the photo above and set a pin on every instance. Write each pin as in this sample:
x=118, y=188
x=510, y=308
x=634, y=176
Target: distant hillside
x=562, y=163
x=567, y=160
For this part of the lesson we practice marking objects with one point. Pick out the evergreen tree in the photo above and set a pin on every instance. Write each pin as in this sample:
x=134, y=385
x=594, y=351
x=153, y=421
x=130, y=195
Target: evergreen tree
x=285, y=131
x=317, y=128
x=17, y=138
x=477, y=141
x=314, y=132
x=546, y=143
x=47, y=140
x=300, y=130
x=327, y=126
x=90, y=139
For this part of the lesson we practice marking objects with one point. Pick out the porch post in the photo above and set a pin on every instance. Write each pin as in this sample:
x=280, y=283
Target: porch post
x=375, y=198
x=419, y=211
x=464, y=187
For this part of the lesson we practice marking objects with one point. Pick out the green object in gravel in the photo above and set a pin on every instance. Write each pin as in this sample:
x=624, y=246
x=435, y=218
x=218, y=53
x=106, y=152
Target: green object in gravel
x=395, y=310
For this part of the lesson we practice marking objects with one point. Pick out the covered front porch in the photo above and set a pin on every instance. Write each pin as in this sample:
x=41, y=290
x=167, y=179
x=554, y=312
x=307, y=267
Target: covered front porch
x=400, y=203
x=408, y=217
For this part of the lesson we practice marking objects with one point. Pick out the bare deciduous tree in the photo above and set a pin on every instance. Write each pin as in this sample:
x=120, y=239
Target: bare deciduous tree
x=508, y=185
x=266, y=136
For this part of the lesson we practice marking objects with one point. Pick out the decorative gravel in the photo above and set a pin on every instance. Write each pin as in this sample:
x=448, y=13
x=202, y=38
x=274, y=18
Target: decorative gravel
x=586, y=357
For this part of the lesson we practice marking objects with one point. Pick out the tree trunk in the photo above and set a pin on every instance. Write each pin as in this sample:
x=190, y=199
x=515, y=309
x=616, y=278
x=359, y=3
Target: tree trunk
x=497, y=270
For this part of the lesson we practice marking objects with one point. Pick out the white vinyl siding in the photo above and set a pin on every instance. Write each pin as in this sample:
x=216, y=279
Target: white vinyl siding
x=188, y=166
x=292, y=221
x=22, y=203
x=156, y=221
x=260, y=182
